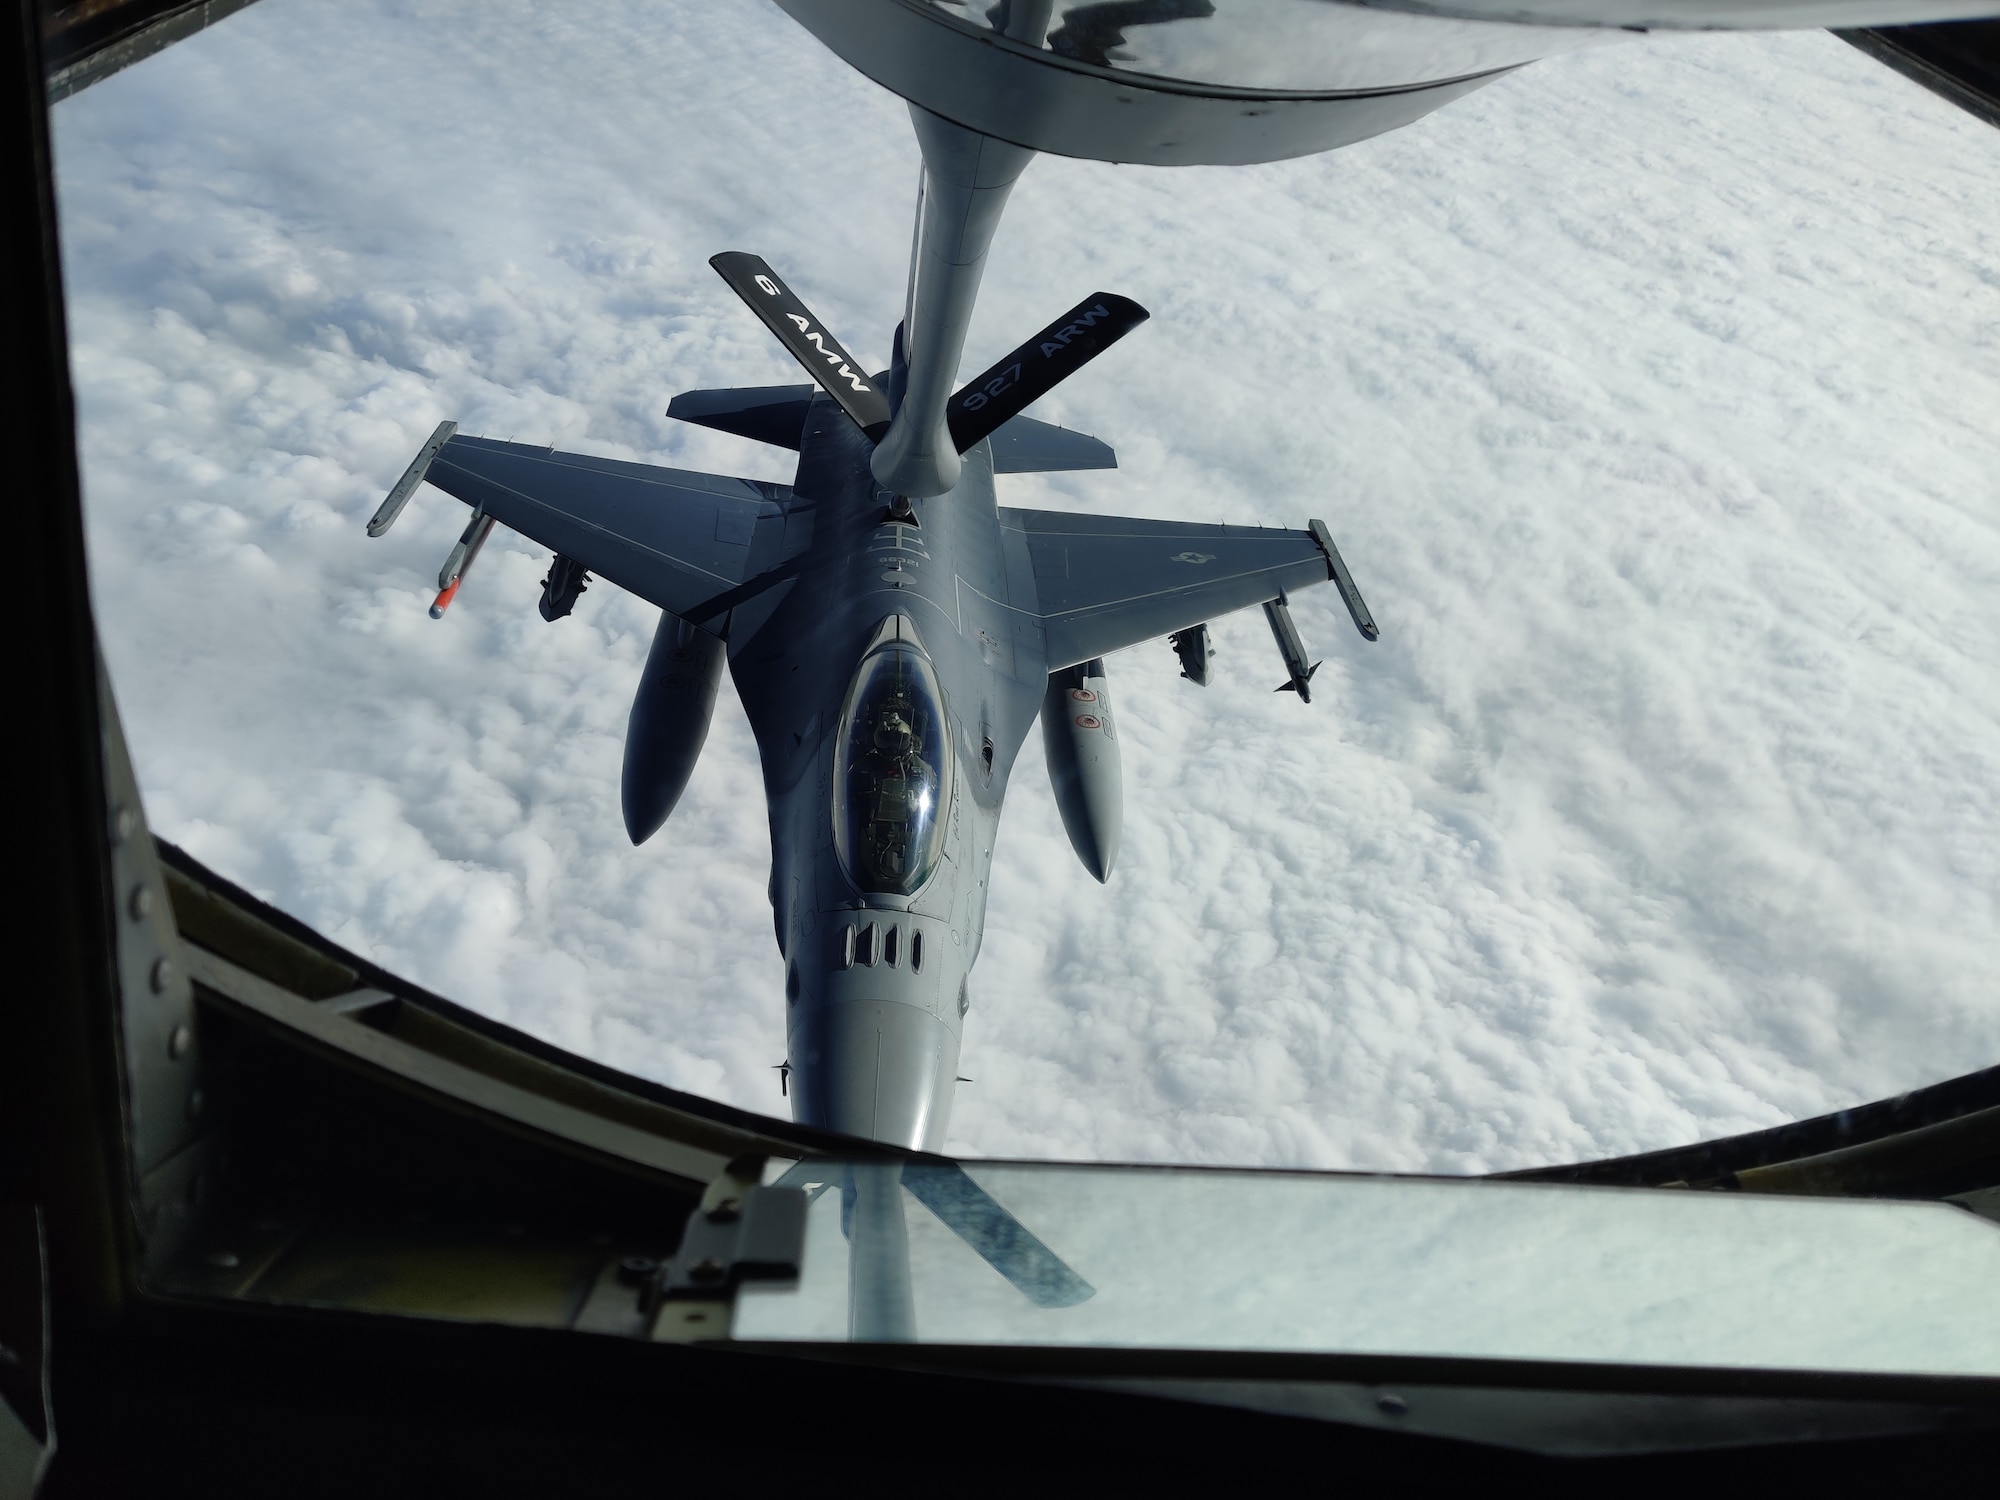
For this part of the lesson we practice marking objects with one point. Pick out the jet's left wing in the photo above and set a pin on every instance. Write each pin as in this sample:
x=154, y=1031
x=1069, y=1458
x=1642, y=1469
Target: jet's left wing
x=672, y=536
x=1107, y=582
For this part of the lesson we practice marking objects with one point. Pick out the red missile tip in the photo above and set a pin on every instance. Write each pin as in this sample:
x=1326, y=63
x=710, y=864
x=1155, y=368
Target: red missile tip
x=443, y=601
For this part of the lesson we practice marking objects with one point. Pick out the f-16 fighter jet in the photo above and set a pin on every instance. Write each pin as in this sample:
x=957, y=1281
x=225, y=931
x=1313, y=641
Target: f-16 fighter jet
x=893, y=631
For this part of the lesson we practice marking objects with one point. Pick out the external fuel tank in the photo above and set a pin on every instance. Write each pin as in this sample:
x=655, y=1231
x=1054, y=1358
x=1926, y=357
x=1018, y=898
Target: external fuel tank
x=669, y=723
x=1082, y=747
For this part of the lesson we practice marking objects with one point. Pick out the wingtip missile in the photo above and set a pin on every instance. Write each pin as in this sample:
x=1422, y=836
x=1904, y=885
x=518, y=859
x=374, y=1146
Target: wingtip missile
x=1336, y=569
x=392, y=507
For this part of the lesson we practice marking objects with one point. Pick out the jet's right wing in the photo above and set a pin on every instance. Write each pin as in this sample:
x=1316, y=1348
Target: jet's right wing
x=1107, y=582
x=672, y=536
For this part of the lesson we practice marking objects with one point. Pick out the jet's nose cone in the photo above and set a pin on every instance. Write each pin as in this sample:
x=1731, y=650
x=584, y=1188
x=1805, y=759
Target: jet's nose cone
x=880, y=1069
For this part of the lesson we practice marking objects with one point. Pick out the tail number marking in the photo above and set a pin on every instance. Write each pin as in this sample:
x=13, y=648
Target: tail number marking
x=832, y=356
x=1059, y=340
x=973, y=400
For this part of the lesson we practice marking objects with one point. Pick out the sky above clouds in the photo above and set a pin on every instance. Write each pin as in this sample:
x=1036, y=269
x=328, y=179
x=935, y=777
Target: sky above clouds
x=1649, y=392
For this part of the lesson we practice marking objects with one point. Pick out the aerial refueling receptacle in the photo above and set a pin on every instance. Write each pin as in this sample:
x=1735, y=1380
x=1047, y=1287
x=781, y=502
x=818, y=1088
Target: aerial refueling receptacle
x=1082, y=749
x=669, y=723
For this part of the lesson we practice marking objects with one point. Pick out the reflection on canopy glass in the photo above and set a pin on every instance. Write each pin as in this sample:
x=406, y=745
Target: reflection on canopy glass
x=1307, y=46
x=1046, y=1255
x=892, y=774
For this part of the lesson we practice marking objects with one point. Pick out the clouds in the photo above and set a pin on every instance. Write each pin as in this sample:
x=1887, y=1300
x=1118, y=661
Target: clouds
x=1648, y=393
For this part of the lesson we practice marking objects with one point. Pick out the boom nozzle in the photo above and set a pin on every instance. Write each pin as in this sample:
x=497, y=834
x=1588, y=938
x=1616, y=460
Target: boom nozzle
x=967, y=177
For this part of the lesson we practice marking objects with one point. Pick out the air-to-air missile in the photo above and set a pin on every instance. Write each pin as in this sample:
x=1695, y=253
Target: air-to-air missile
x=1286, y=634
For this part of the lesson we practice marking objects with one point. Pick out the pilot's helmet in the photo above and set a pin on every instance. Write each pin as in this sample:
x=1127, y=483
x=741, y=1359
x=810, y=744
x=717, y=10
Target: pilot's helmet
x=892, y=731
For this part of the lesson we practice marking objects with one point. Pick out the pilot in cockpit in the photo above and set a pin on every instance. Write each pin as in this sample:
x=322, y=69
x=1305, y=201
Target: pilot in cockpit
x=902, y=777
x=892, y=730
x=891, y=772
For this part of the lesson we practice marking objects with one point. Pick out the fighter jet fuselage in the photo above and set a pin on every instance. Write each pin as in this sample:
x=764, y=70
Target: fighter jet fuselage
x=889, y=697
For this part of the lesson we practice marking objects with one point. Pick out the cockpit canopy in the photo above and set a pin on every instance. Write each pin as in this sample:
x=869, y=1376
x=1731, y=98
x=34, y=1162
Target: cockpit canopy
x=891, y=773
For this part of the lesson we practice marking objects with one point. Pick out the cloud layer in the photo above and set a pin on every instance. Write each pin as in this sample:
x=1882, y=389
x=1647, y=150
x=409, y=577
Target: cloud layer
x=1649, y=393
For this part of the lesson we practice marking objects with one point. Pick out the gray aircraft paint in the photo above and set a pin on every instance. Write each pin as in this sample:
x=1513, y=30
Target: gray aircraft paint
x=889, y=538
x=874, y=1045
x=800, y=581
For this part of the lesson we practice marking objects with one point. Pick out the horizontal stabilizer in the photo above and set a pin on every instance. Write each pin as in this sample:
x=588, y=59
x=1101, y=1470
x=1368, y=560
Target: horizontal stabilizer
x=1030, y=372
x=774, y=414
x=840, y=373
x=1025, y=446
